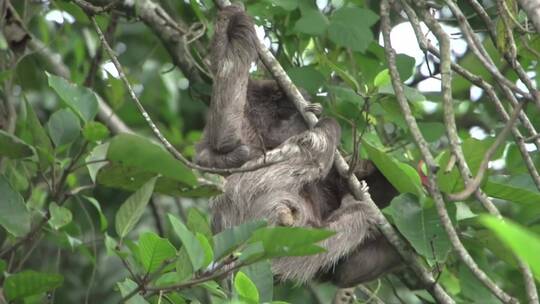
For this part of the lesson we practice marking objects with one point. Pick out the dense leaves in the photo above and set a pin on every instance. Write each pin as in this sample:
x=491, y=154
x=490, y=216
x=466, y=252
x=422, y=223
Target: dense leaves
x=14, y=216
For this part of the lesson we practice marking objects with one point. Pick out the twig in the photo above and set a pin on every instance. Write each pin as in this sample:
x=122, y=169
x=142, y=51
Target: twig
x=475, y=183
x=449, y=116
x=91, y=9
x=372, y=295
x=209, y=276
x=433, y=189
x=532, y=138
x=168, y=146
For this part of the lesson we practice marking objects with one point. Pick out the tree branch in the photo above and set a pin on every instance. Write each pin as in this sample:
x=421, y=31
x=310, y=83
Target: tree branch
x=433, y=189
x=426, y=46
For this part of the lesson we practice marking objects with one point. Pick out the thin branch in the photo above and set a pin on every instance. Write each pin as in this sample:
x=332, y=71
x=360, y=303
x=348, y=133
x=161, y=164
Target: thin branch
x=433, y=188
x=449, y=116
x=532, y=138
x=371, y=294
x=473, y=185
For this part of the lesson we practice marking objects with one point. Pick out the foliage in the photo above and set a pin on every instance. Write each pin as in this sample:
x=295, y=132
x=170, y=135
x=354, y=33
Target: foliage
x=87, y=213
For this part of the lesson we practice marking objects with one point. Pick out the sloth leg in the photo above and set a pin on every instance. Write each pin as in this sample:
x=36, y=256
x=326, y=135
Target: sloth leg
x=369, y=261
x=208, y=158
x=352, y=227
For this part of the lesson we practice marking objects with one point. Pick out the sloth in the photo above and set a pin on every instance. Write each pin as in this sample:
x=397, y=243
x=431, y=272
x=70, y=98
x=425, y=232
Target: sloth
x=251, y=122
x=301, y=160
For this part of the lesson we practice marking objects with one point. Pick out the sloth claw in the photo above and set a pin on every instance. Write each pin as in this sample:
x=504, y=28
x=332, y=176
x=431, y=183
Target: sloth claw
x=315, y=108
x=285, y=217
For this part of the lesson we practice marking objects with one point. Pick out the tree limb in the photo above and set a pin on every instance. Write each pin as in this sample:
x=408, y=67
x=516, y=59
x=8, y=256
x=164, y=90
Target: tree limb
x=433, y=188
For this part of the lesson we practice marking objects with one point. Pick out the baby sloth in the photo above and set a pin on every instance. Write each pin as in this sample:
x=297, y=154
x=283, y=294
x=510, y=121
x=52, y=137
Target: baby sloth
x=281, y=194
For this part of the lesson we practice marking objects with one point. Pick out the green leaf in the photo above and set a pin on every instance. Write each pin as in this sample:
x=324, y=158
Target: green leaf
x=40, y=140
x=207, y=248
x=382, y=79
x=129, y=168
x=290, y=241
x=252, y=252
x=228, y=240
x=167, y=279
x=112, y=247
x=261, y=275
x=432, y=131
x=402, y=176
x=12, y=147
x=60, y=216
x=344, y=94
x=412, y=94
x=132, y=209
x=184, y=267
x=95, y=131
x=193, y=247
x=98, y=156
x=312, y=22
x=3, y=266
x=473, y=289
x=27, y=283
x=214, y=289
x=350, y=27
x=81, y=100
x=154, y=251
x=63, y=127
x=126, y=287
x=523, y=242
x=245, y=288
x=307, y=77
x=14, y=215
x=103, y=223
x=197, y=222
x=511, y=193
x=421, y=226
